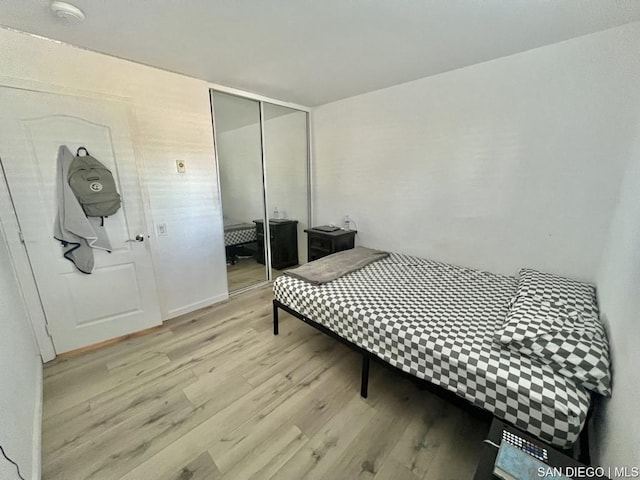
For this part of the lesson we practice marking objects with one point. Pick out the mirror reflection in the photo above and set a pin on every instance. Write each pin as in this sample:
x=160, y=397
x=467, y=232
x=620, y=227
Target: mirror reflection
x=285, y=135
x=239, y=148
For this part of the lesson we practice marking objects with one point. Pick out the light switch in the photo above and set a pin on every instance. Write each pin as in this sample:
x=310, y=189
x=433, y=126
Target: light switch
x=181, y=166
x=162, y=229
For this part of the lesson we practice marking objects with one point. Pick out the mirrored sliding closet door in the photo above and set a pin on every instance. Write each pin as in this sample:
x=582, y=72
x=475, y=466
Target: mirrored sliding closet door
x=263, y=167
x=239, y=148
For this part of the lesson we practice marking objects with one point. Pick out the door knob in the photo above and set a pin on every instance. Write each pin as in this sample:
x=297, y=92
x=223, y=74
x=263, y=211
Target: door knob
x=139, y=238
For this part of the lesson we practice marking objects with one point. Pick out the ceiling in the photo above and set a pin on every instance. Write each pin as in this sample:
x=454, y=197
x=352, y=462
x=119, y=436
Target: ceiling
x=312, y=52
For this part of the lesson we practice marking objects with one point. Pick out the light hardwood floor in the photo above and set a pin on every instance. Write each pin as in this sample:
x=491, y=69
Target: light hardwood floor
x=247, y=272
x=215, y=394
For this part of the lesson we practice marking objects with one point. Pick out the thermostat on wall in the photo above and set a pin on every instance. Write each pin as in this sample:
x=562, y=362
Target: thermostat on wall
x=181, y=166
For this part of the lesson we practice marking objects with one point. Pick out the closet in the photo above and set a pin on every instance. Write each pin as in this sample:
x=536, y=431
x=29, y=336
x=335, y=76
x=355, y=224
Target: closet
x=262, y=150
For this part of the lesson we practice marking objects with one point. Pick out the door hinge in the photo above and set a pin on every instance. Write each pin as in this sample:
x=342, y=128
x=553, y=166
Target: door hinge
x=21, y=237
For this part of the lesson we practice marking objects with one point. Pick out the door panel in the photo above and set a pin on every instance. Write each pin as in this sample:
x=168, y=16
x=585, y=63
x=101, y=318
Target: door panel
x=119, y=280
x=285, y=142
x=120, y=296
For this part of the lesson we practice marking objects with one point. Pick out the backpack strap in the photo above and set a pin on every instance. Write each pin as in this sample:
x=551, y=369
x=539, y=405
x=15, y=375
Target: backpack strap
x=86, y=152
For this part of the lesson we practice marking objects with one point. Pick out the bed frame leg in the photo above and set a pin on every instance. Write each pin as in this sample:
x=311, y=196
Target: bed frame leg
x=584, y=456
x=364, y=385
x=275, y=318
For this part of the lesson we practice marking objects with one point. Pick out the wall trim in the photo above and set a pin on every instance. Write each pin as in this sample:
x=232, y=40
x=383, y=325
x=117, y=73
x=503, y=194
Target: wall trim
x=176, y=312
x=255, y=96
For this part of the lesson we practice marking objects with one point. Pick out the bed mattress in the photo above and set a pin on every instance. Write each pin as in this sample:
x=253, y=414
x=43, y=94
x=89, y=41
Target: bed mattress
x=437, y=322
x=239, y=234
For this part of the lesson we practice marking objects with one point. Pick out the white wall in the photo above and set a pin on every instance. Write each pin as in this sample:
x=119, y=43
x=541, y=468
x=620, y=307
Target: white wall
x=20, y=377
x=617, y=423
x=510, y=163
x=173, y=122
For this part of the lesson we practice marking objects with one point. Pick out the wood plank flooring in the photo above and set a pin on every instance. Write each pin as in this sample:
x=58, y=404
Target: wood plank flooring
x=214, y=394
x=246, y=272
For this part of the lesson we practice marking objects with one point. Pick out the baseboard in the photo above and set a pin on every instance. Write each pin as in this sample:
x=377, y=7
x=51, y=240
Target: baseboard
x=36, y=469
x=176, y=312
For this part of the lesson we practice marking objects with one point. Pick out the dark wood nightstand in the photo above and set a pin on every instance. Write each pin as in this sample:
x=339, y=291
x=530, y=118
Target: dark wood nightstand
x=484, y=470
x=320, y=244
x=284, y=242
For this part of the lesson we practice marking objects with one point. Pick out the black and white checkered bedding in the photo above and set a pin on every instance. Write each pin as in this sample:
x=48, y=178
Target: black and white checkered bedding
x=239, y=234
x=438, y=322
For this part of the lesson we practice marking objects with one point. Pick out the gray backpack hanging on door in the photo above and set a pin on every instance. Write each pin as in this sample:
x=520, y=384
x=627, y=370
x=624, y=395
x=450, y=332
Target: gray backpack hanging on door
x=93, y=185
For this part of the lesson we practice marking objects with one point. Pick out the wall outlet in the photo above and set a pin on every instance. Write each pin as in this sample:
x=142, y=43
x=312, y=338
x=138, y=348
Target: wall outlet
x=161, y=228
x=181, y=166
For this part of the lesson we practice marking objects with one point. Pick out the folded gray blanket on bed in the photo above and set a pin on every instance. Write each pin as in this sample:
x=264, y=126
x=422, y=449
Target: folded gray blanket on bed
x=336, y=265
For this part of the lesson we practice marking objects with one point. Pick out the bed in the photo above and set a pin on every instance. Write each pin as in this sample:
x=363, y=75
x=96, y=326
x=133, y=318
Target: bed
x=237, y=235
x=439, y=322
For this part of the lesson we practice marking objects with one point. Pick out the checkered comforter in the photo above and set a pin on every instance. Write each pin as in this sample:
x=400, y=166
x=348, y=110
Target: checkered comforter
x=438, y=322
x=239, y=234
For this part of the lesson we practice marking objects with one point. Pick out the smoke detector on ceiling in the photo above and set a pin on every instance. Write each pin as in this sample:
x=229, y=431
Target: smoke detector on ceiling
x=66, y=11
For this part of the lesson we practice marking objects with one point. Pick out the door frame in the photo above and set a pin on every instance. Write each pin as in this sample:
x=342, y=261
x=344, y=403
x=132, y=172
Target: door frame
x=261, y=100
x=9, y=219
x=22, y=267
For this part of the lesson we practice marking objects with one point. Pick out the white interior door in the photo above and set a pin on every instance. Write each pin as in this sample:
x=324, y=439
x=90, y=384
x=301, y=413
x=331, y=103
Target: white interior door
x=120, y=296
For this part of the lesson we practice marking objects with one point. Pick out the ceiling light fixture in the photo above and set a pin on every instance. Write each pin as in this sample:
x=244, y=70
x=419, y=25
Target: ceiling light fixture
x=66, y=11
